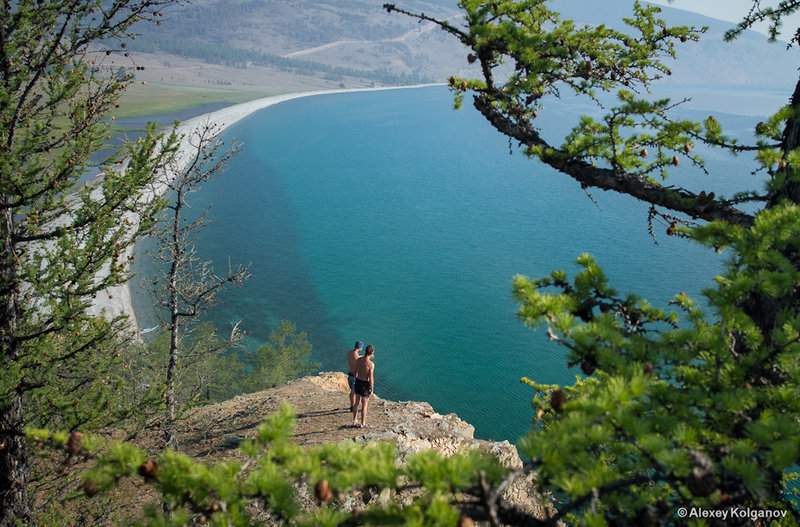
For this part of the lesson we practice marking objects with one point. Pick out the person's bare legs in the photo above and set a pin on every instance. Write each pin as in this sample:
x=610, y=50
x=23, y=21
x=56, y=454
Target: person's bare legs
x=364, y=404
x=352, y=399
x=355, y=407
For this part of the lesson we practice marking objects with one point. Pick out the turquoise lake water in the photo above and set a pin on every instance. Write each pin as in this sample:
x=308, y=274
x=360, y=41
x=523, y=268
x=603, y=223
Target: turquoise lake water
x=390, y=218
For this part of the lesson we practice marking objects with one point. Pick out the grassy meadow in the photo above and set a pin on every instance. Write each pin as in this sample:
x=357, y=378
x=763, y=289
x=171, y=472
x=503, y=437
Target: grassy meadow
x=155, y=99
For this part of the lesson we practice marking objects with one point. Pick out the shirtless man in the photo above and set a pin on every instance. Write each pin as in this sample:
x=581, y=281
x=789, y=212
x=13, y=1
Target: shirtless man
x=365, y=384
x=352, y=357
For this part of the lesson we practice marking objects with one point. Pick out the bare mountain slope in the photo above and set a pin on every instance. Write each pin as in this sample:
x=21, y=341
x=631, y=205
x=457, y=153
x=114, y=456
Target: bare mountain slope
x=348, y=40
x=356, y=43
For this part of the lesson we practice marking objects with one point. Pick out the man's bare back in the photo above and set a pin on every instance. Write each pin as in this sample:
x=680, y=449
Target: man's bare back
x=365, y=384
x=352, y=358
x=364, y=368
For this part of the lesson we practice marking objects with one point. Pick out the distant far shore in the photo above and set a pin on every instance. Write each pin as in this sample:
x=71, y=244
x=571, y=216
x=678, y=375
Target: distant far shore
x=117, y=300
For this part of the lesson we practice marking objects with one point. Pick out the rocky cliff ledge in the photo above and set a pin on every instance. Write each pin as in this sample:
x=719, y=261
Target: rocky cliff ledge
x=322, y=405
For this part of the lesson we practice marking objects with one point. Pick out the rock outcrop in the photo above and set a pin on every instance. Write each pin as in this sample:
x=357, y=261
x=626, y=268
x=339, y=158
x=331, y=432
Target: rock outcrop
x=323, y=416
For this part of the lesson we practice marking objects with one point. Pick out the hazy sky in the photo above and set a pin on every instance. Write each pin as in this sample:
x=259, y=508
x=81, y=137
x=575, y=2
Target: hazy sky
x=731, y=10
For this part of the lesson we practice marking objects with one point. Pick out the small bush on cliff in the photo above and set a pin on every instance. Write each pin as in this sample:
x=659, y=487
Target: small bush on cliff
x=285, y=356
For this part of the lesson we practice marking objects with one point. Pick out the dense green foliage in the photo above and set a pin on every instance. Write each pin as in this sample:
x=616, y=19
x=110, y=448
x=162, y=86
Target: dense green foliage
x=276, y=473
x=62, y=233
x=684, y=409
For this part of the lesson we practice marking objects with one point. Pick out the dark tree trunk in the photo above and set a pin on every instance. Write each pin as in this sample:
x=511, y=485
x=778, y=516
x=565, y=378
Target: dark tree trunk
x=172, y=364
x=790, y=189
x=763, y=308
x=13, y=448
x=172, y=367
x=13, y=466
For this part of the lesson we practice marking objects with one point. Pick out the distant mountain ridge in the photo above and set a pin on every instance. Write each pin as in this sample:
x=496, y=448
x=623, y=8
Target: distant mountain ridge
x=348, y=40
x=748, y=60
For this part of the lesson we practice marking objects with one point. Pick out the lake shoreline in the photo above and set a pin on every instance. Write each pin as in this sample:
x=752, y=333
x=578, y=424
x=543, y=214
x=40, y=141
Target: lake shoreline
x=117, y=301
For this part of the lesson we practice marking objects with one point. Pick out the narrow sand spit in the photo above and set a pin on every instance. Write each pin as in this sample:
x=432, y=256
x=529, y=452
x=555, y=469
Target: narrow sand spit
x=117, y=300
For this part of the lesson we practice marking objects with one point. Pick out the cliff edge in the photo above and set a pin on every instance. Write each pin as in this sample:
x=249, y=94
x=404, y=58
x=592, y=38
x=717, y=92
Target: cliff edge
x=213, y=432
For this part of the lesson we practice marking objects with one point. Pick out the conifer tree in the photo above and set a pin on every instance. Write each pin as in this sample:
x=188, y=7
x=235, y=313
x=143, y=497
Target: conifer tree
x=282, y=358
x=189, y=285
x=62, y=237
x=681, y=410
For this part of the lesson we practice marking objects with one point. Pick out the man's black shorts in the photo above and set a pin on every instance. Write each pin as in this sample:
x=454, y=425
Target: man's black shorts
x=362, y=388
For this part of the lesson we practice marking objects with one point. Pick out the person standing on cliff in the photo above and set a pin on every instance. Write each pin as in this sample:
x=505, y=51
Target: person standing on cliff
x=365, y=384
x=352, y=357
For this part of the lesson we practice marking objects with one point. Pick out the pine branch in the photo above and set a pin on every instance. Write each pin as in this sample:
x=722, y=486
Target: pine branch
x=676, y=199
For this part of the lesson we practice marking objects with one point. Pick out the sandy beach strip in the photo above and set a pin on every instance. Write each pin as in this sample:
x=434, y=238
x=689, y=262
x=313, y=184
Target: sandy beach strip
x=117, y=300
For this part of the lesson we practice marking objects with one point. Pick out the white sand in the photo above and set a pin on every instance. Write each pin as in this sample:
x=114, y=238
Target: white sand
x=117, y=300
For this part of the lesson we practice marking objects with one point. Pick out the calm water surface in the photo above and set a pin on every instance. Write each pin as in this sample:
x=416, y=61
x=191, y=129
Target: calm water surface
x=390, y=218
